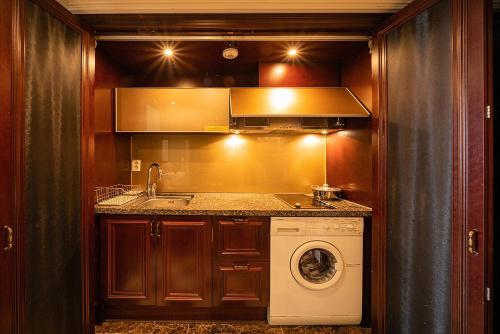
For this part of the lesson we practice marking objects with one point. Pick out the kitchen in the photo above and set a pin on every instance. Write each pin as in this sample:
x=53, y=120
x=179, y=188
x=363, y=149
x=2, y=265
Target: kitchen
x=259, y=169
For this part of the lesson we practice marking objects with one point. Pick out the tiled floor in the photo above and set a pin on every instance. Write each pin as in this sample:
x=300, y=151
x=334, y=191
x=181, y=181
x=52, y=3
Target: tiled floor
x=115, y=327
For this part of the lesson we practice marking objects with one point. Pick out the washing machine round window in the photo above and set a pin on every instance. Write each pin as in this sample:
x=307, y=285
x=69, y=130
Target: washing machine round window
x=317, y=265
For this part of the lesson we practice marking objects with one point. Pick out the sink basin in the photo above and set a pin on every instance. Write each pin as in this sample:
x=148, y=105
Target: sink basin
x=168, y=201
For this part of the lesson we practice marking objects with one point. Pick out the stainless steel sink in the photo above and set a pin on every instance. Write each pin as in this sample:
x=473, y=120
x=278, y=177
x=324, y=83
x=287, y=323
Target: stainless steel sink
x=167, y=201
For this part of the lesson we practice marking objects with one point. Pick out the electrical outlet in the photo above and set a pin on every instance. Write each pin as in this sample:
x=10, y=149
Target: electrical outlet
x=136, y=165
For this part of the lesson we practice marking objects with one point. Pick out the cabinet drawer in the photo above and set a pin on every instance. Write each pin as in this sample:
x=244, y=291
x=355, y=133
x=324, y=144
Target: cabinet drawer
x=241, y=283
x=242, y=237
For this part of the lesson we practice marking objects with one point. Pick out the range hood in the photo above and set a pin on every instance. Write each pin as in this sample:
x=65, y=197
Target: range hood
x=321, y=125
x=296, y=102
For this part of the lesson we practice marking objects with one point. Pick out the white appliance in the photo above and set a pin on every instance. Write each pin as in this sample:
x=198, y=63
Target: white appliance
x=316, y=271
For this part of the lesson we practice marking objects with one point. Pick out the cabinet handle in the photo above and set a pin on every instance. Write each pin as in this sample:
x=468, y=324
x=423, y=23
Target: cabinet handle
x=241, y=266
x=241, y=220
x=151, y=233
x=158, y=229
x=10, y=239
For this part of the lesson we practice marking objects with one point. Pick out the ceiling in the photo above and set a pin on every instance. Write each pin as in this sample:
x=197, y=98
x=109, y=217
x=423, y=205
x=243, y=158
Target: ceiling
x=143, y=63
x=140, y=57
x=232, y=6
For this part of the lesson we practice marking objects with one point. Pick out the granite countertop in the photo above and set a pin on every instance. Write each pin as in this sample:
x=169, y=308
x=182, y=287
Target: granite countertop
x=237, y=204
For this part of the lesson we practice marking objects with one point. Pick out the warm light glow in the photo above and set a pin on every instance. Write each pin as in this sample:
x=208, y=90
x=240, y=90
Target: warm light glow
x=278, y=70
x=234, y=141
x=324, y=132
x=186, y=84
x=281, y=98
x=237, y=132
x=168, y=52
x=293, y=52
x=310, y=140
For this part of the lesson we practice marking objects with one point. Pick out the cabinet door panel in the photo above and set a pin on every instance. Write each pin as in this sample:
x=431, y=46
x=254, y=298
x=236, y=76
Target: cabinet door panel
x=242, y=237
x=184, y=263
x=241, y=283
x=128, y=260
x=167, y=109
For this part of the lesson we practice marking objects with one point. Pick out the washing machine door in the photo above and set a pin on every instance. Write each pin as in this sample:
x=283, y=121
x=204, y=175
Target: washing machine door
x=317, y=265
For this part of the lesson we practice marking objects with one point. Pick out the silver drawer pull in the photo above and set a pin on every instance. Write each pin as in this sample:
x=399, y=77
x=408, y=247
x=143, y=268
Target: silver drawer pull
x=240, y=220
x=240, y=266
x=288, y=229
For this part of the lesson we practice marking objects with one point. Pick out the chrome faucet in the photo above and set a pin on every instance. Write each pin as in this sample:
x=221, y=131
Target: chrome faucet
x=151, y=186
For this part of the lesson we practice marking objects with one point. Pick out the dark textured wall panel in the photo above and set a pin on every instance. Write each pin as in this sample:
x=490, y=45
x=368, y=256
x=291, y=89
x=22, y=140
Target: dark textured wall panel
x=420, y=173
x=52, y=175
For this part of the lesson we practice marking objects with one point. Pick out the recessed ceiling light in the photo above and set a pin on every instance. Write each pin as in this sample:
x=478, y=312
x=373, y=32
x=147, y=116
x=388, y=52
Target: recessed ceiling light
x=293, y=52
x=168, y=52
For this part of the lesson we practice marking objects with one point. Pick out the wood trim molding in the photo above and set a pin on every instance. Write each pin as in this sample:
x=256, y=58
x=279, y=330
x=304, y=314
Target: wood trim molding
x=404, y=15
x=490, y=165
x=458, y=294
x=18, y=37
x=87, y=179
x=472, y=184
x=379, y=186
x=235, y=24
x=229, y=6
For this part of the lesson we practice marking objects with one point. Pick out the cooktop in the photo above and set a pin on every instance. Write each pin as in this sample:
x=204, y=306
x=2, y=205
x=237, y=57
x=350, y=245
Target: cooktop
x=303, y=201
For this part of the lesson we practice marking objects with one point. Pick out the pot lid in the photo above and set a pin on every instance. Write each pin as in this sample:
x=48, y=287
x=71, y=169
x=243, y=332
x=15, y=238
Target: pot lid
x=324, y=187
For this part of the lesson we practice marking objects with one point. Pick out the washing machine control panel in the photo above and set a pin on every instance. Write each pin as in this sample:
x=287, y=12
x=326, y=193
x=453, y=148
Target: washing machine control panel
x=335, y=226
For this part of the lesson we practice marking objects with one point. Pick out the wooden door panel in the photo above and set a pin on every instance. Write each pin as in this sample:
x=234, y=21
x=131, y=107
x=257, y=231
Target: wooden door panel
x=129, y=276
x=7, y=286
x=184, y=263
x=241, y=283
x=470, y=207
x=242, y=237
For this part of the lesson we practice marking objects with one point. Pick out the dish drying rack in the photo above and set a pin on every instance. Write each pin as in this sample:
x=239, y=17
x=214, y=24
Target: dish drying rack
x=117, y=195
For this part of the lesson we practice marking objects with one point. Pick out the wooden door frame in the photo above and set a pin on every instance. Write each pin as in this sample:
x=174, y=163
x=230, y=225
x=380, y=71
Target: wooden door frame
x=463, y=15
x=87, y=153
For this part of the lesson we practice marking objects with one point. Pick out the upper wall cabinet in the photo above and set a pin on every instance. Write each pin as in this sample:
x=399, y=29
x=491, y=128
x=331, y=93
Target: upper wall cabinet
x=172, y=110
x=296, y=102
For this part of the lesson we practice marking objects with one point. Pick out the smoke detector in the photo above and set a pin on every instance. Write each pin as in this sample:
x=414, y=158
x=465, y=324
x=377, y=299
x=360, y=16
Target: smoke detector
x=231, y=51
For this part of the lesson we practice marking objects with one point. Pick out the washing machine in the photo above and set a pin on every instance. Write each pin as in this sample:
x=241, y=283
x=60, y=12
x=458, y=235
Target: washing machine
x=316, y=271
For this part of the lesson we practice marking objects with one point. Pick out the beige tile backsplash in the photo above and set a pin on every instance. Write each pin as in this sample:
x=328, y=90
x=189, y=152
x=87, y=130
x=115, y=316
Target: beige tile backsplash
x=262, y=163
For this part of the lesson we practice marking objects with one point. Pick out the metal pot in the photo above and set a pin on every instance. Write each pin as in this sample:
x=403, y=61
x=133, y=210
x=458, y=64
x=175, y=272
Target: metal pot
x=325, y=192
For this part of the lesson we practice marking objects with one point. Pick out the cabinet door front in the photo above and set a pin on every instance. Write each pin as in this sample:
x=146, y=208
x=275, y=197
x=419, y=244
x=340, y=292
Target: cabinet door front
x=184, y=268
x=128, y=271
x=241, y=283
x=242, y=237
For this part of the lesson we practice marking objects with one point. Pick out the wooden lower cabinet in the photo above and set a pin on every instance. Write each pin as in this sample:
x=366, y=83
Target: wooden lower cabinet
x=184, y=263
x=127, y=262
x=155, y=267
x=241, y=283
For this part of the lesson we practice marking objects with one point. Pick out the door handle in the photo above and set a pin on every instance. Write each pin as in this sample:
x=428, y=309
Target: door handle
x=9, y=238
x=472, y=242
